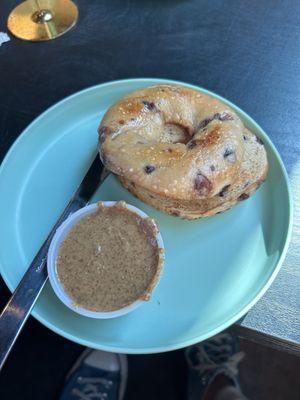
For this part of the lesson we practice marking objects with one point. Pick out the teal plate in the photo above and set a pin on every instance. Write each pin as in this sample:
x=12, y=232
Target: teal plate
x=216, y=268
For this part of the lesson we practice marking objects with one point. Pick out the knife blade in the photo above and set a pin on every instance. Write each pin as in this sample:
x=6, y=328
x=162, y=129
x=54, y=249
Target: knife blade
x=18, y=308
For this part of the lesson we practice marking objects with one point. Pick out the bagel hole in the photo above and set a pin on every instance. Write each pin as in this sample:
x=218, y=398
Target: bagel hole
x=175, y=133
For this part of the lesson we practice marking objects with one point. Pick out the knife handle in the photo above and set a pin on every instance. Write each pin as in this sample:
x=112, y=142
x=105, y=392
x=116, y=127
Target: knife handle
x=18, y=308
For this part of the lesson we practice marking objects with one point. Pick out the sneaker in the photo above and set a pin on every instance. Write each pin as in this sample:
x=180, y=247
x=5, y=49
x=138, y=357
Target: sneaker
x=96, y=375
x=214, y=360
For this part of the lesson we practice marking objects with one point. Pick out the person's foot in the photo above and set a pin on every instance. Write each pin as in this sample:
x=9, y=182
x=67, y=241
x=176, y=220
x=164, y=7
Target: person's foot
x=96, y=375
x=213, y=367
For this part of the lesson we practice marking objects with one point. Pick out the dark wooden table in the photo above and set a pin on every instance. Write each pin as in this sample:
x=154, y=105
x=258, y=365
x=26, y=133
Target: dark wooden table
x=246, y=50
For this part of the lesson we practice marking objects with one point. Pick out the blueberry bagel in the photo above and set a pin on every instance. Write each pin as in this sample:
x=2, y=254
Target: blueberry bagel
x=252, y=173
x=182, y=151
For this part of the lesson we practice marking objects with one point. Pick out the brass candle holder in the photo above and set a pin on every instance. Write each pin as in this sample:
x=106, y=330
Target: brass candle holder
x=38, y=20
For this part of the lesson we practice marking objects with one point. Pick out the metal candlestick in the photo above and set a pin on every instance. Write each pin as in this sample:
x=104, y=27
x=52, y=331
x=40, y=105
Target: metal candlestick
x=38, y=20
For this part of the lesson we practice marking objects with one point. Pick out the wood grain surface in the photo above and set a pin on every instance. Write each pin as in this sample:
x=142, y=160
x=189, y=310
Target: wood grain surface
x=245, y=50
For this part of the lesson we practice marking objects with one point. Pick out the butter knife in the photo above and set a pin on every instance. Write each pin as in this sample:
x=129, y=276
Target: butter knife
x=18, y=308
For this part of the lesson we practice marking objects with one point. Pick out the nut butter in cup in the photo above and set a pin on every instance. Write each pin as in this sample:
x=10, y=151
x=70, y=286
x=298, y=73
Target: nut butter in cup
x=106, y=259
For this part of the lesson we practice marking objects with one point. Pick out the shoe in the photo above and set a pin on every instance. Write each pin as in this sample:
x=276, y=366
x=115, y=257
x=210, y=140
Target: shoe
x=214, y=358
x=96, y=375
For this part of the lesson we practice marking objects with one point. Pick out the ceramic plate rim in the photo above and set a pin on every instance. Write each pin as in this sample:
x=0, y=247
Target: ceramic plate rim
x=223, y=325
